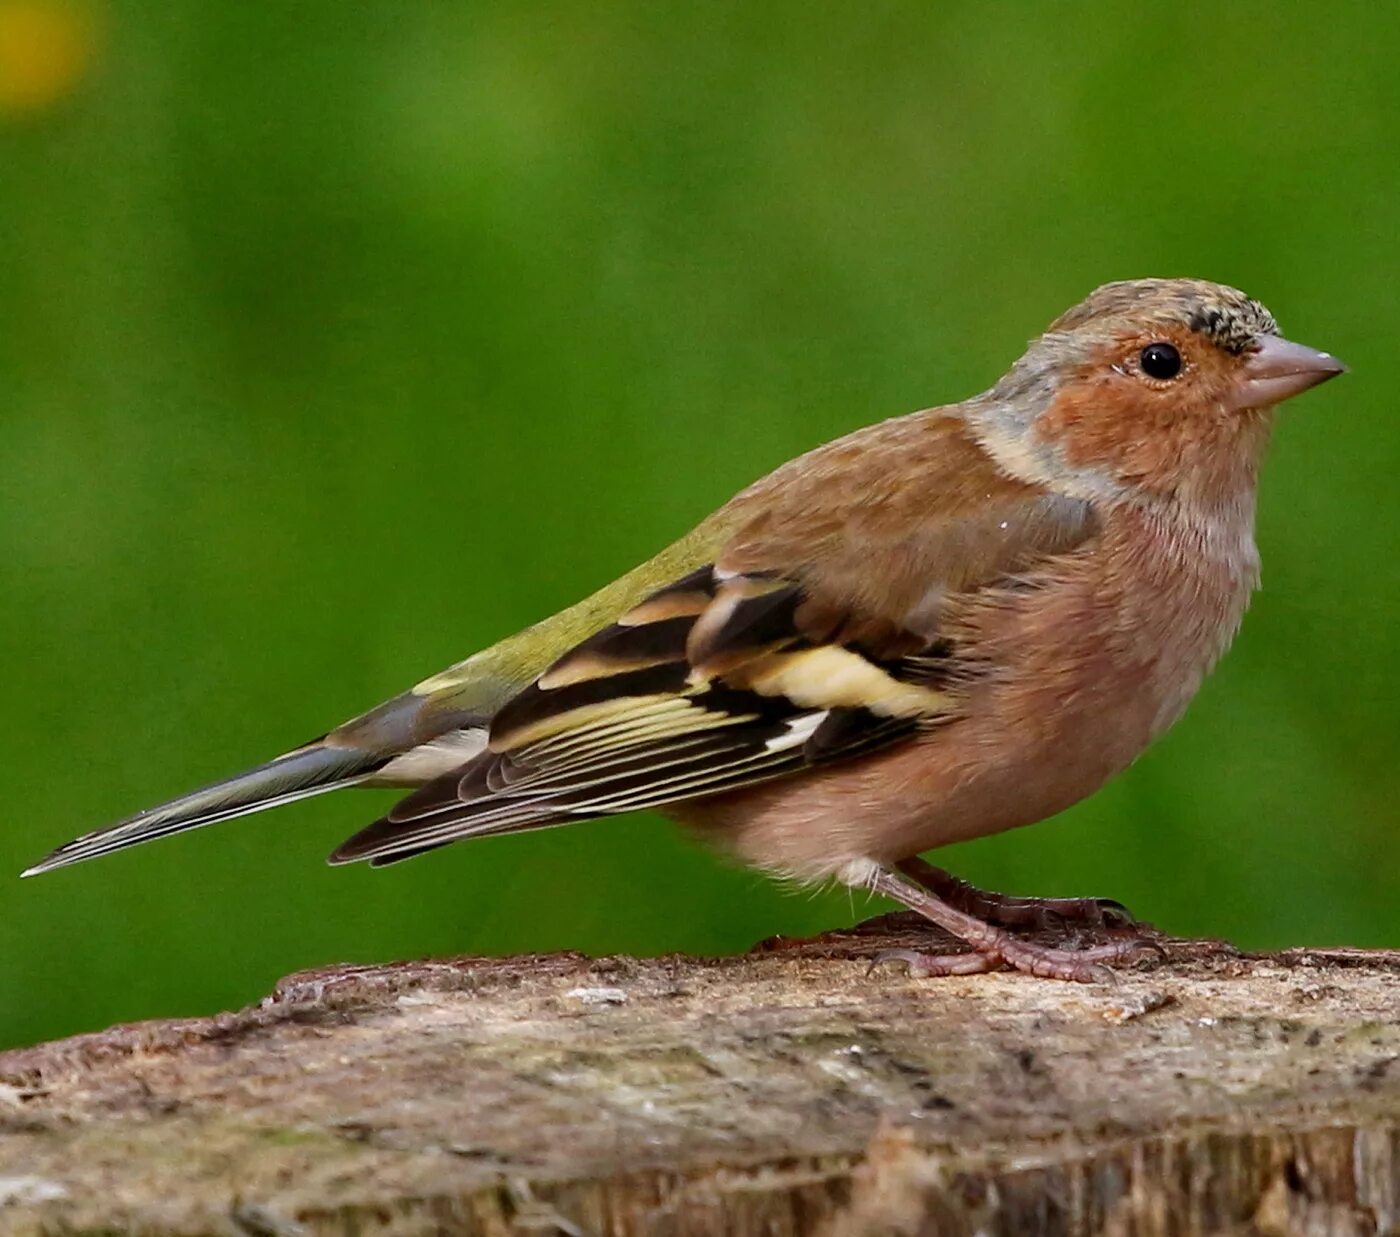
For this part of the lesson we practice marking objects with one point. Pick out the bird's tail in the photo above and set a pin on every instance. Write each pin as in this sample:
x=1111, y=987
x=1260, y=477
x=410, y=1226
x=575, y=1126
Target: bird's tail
x=310, y=770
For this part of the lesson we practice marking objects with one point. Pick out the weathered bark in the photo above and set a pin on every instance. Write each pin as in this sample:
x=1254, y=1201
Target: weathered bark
x=781, y=1092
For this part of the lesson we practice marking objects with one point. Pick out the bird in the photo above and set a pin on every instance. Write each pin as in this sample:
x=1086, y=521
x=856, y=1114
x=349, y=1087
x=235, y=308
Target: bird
x=937, y=627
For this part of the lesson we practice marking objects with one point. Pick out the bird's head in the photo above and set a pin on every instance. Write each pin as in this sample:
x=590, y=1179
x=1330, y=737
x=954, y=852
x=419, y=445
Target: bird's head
x=1164, y=385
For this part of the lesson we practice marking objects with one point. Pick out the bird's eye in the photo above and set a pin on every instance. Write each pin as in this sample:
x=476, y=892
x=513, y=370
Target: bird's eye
x=1160, y=361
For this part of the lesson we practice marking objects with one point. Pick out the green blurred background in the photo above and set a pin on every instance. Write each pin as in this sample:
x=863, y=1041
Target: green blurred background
x=339, y=340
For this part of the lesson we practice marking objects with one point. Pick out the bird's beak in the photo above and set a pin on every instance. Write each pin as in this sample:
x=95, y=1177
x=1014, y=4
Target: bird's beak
x=1279, y=369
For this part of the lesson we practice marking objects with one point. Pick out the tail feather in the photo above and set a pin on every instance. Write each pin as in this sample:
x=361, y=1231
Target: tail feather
x=308, y=771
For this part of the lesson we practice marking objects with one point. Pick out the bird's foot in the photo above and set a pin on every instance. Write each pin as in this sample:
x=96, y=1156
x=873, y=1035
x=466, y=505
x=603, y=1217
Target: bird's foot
x=1009, y=911
x=992, y=946
x=1086, y=966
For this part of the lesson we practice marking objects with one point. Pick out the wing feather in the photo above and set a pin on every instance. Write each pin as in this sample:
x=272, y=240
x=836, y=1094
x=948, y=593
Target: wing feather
x=791, y=650
x=600, y=732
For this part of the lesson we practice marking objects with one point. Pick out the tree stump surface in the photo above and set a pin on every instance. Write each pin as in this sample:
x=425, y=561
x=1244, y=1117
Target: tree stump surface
x=788, y=1090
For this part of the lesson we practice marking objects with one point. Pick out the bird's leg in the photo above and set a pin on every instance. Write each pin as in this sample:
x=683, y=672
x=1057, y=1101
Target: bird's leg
x=1008, y=911
x=995, y=944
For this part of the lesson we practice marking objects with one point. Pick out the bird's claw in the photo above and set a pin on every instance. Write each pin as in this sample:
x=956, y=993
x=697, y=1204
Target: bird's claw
x=927, y=966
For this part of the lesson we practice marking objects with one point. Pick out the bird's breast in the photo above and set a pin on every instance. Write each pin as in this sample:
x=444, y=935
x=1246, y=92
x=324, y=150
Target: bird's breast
x=1107, y=652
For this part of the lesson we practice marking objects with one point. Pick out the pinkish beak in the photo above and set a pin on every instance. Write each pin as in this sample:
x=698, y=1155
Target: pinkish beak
x=1279, y=369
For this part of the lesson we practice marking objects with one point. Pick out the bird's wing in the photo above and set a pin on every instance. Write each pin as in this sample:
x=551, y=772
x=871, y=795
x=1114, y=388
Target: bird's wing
x=817, y=633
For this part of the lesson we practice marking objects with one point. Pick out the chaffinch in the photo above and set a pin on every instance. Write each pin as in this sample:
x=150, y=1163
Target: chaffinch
x=941, y=626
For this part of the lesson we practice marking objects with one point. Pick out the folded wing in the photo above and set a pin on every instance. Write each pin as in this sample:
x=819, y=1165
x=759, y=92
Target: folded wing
x=778, y=657
x=705, y=686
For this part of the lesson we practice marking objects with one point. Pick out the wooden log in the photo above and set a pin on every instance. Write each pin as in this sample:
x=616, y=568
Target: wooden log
x=786, y=1091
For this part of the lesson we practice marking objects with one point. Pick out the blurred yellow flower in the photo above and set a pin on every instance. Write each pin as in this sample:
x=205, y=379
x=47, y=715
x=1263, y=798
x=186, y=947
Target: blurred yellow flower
x=46, y=48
